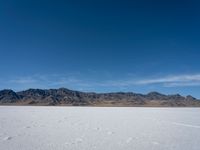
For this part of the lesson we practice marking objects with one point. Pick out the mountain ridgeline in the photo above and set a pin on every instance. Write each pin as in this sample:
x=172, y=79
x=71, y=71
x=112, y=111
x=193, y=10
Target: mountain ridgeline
x=66, y=97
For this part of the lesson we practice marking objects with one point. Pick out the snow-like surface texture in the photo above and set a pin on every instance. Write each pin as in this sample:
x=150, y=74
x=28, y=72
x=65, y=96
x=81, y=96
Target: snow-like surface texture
x=99, y=128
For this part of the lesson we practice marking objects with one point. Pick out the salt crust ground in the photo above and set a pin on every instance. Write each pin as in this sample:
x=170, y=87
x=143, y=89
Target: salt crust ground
x=93, y=128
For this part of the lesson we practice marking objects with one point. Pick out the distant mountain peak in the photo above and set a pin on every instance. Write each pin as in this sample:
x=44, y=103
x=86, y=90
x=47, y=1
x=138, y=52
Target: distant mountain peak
x=189, y=97
x=155, y=93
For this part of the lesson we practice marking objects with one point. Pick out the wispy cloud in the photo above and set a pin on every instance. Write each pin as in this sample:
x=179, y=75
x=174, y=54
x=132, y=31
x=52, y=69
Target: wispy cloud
x=165, y=81
x=76, y=82
x=182, y=84
x=174, y=80
x=23, y=80
x=47, y=81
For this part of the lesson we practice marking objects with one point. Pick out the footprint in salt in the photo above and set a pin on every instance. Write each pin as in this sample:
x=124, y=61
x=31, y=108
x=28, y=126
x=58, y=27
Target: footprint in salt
x=129, y=140
x=59, y=121
x=79, y=140
x=7, y=138
x=97, y=129
x=155, y=143
x=66, y=143
x=76, y=141
x=27, y=127
x=110, y=132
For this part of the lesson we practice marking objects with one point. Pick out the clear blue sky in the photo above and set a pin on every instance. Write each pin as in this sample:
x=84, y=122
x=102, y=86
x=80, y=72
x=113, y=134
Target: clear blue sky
x=101, y=46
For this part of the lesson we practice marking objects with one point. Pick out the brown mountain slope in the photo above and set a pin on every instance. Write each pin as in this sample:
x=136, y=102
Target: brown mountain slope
x=68, y=97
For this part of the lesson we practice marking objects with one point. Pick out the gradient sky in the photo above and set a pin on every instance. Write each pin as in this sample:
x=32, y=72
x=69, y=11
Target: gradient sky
x=101, y=46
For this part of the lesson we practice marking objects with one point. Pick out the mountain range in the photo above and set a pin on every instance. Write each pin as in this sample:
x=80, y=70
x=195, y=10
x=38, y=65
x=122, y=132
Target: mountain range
x=67, y=97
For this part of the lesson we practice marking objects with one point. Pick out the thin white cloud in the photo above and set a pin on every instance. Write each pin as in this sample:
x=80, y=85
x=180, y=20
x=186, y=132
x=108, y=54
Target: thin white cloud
x=182, y=84
x=23, y=81
x=47, y=81
x=74, y=82
x=175, y=80
x=166, y=81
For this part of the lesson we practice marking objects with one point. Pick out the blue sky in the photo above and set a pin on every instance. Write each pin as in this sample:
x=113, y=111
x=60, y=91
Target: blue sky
x=101, y=46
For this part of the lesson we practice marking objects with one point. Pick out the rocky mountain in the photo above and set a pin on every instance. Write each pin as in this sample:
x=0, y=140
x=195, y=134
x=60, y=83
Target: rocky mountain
x=68, y=97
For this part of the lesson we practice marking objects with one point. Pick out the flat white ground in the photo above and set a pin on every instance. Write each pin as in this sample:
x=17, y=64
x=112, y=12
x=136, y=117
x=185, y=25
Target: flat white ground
x=93, y=128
